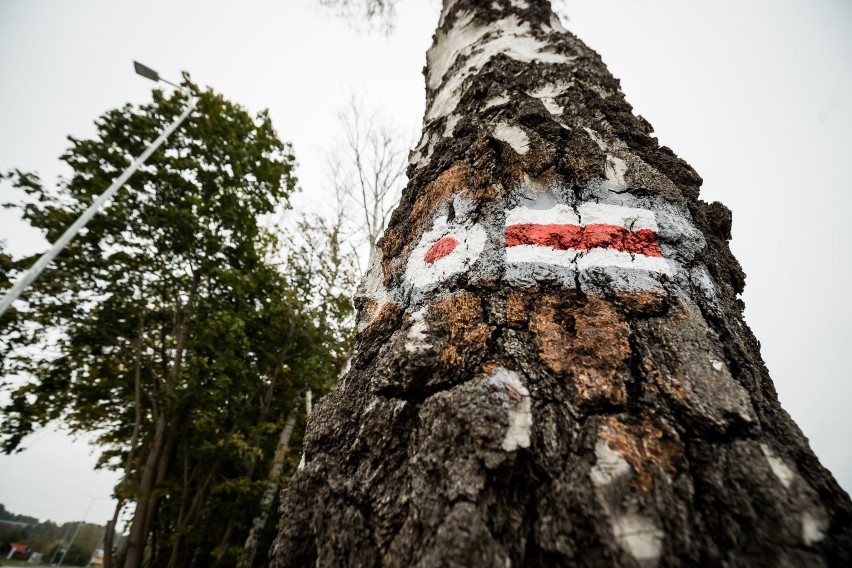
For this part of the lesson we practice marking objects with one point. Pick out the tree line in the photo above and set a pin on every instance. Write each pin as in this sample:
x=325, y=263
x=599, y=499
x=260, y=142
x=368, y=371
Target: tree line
x=183, y=327
x=47, y=537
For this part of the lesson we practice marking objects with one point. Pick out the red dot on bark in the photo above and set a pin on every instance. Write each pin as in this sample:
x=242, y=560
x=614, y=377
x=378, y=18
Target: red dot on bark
x=440, y=249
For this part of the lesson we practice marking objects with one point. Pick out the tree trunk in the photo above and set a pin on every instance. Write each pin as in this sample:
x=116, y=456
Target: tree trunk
x=552, y=366
x=138, y=535
x=259, y=522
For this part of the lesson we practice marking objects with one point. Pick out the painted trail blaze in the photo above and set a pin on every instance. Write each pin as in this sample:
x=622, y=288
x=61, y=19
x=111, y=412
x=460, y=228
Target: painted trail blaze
x=590, y=235
x=565, y=237
x=440, y=249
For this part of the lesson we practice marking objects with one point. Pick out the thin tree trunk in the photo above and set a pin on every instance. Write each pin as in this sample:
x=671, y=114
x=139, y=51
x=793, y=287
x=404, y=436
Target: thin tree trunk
x=271, y=490
x=162, y=472
x=155, y=466
x=187, y=516
x=145, y=493
x=552, y=367
x=309, y=402
x=109, y=537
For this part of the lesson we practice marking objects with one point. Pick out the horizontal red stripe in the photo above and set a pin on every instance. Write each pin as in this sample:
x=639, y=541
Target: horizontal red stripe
x=574, y=237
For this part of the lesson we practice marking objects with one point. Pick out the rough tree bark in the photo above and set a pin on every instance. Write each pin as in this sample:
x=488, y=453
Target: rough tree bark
x=552, y=364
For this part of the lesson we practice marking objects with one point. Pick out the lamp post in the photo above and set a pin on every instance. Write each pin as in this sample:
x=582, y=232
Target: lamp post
x=44, y=260
x=65, y=550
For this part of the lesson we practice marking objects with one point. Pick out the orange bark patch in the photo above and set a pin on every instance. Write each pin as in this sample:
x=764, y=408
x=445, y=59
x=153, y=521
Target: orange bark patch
x=674, y=386
x=552, y=337
x=516, y=309
x=587, y=342
x=642, y=303
x=461, y=317
x=489, y=367
x=645, y=446
x=384, y=323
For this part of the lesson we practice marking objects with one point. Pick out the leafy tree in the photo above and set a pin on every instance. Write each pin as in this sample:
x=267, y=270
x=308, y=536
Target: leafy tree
x=174, y=326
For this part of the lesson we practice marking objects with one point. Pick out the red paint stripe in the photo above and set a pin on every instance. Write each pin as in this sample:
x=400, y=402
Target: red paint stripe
x=574, y=237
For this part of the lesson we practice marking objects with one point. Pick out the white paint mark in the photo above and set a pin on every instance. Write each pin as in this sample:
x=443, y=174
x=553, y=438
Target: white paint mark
x=514, y=136
x=461, y=37
x=813, y=528
x=373, y=288
x=556, y=24
x=600, y=257
x=417, y=340
x=449, y=6
x=639, y=536
x=717, y=365
x=520, y=423
x=464, y=208
x=781, y=470
x=452, y=120
x=496, y=101
x=516, y=398
x=470, y=243
x=429, y=150
x=633, y=218
x=559, y=214
x=609, y=465
x=419, y=314
x=301, y=462
x=547, y=95
x=540, y=255
x=597, y=138
x=519, y=4
x=615, y=169
x=535, y=185
x=414, y=157
x=476, y=45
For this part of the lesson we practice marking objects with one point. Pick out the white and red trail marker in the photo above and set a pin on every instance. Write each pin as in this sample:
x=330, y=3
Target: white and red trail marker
x=444, y=251
x=592, y=235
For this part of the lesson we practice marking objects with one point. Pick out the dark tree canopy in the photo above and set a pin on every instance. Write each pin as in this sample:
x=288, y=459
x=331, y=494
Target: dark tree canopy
x=176, y=327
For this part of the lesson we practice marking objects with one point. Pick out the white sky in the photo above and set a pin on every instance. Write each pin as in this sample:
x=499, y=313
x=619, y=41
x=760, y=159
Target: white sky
x=757, y=96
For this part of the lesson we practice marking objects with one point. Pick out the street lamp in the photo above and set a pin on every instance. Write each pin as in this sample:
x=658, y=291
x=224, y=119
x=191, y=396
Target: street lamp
x=44, y=260
x=77, y=530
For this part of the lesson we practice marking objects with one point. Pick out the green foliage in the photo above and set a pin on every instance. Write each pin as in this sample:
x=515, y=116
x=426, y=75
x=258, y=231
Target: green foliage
x=175, y=326
x=46, y=537
x=76, y=555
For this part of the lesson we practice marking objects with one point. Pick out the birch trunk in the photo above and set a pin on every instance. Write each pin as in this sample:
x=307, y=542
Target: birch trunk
x=271, y=489
x=552, y=366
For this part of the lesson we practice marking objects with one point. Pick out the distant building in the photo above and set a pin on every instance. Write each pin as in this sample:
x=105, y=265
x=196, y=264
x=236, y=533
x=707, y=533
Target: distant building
x=23, y=550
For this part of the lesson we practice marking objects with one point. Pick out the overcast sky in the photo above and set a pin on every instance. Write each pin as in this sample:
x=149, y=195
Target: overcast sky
x=756, y=96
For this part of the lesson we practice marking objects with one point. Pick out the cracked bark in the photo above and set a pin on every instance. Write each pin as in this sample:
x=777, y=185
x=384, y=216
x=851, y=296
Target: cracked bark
x=587, y=410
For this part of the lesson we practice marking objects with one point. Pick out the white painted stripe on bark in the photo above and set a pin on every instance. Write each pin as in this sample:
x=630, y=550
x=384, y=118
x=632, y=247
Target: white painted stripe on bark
x=632, y=218
x=540, y=254
x=471, y=242
x=560, y=214
x=615, y=258
x=516, y=399
x=547, y=95
x=639, y=536
x=781, y=470
x=514, y=136
x=476, y=45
